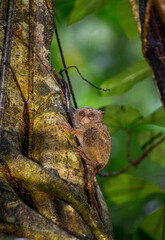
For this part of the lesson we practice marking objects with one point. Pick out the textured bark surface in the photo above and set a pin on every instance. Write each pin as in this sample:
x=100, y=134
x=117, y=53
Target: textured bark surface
x=41, y=179
x=153, y=39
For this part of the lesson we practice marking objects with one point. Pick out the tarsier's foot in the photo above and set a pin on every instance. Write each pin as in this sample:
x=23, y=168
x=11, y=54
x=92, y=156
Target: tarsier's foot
x=91, y=166
x=92, y=175
x=79, y=151
x=95, y=171
x=76, y=150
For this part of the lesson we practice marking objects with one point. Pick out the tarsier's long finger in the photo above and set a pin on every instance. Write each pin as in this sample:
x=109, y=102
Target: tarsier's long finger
x=63, y=124
x=66, y=126
x=61, y=127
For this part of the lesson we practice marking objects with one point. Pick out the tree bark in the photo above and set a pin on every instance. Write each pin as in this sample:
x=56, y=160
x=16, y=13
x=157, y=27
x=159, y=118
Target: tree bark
x=42, y=189
x=152, y=21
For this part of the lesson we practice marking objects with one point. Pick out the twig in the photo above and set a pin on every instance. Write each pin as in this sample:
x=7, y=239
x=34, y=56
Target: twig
x=64, y=64
x=151, y=140
x=6, y=61
x=62, y=55
x=73, y=66
x=66, y=93
x=97, y=203
x=91, y=191
x=134, y=163
x=65, y=90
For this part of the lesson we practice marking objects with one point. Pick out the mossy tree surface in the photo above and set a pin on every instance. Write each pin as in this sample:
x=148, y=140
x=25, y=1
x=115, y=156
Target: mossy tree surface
x=41, y=178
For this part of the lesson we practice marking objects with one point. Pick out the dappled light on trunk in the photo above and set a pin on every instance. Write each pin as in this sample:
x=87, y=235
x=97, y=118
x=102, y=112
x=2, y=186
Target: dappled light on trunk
x=43, y=195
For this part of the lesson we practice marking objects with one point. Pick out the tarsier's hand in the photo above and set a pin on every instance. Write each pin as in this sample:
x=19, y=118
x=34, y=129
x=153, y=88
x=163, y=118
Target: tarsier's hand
x=67, y=127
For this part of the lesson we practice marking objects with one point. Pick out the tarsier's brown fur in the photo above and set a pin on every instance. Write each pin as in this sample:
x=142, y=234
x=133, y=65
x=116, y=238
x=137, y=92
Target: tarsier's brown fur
x=93, y=136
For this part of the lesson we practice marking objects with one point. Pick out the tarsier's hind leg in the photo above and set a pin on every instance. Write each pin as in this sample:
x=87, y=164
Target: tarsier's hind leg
x=90, y=164
x=78, y=150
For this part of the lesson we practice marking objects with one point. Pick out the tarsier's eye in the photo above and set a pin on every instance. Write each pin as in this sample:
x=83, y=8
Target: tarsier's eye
x=92, y=115
x=81, y=113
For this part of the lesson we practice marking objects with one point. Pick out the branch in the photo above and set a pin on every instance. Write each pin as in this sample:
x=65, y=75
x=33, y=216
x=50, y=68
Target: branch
x=73, y=66
x=151, y=140
x=136, y=162
x=34, y=177
x=62, y=55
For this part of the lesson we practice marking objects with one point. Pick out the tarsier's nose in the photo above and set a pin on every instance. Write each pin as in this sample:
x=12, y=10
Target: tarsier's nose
x=85, y=120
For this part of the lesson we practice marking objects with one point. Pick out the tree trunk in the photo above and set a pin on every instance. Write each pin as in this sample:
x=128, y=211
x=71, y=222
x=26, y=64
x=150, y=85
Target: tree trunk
x=152, y=19
x=42, y=187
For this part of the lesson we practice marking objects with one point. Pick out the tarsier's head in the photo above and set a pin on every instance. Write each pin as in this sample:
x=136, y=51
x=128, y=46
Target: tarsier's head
x=87, y=115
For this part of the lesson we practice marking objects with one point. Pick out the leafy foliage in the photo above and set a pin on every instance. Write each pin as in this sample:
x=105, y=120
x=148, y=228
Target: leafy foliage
x=128, y=117
x=83, y=8
x=123, y=81
x=106, y=48
x=149, y=224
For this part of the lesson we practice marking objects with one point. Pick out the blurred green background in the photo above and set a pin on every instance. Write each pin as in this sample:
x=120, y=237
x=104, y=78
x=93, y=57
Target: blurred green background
x=101, y=39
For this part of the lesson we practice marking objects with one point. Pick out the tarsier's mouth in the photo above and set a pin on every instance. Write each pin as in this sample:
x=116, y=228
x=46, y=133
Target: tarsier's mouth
x=85, y=120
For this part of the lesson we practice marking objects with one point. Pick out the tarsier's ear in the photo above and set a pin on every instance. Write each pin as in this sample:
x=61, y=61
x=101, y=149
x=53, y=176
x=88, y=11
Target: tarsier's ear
x=101, y=113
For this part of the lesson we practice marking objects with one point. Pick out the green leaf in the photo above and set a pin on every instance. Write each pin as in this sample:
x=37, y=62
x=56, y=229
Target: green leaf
x=123, y=81
x=157, y=118
x=121, y=117
x=128, y=216
x=131, y=198
x=141, y=234
x=63, y=9
x=126, y=188
x=153, y=224
x=126, y=19
x=83, y=8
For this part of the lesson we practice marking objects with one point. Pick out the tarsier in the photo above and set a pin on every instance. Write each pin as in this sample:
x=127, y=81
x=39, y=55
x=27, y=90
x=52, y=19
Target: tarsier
x=93, y=137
